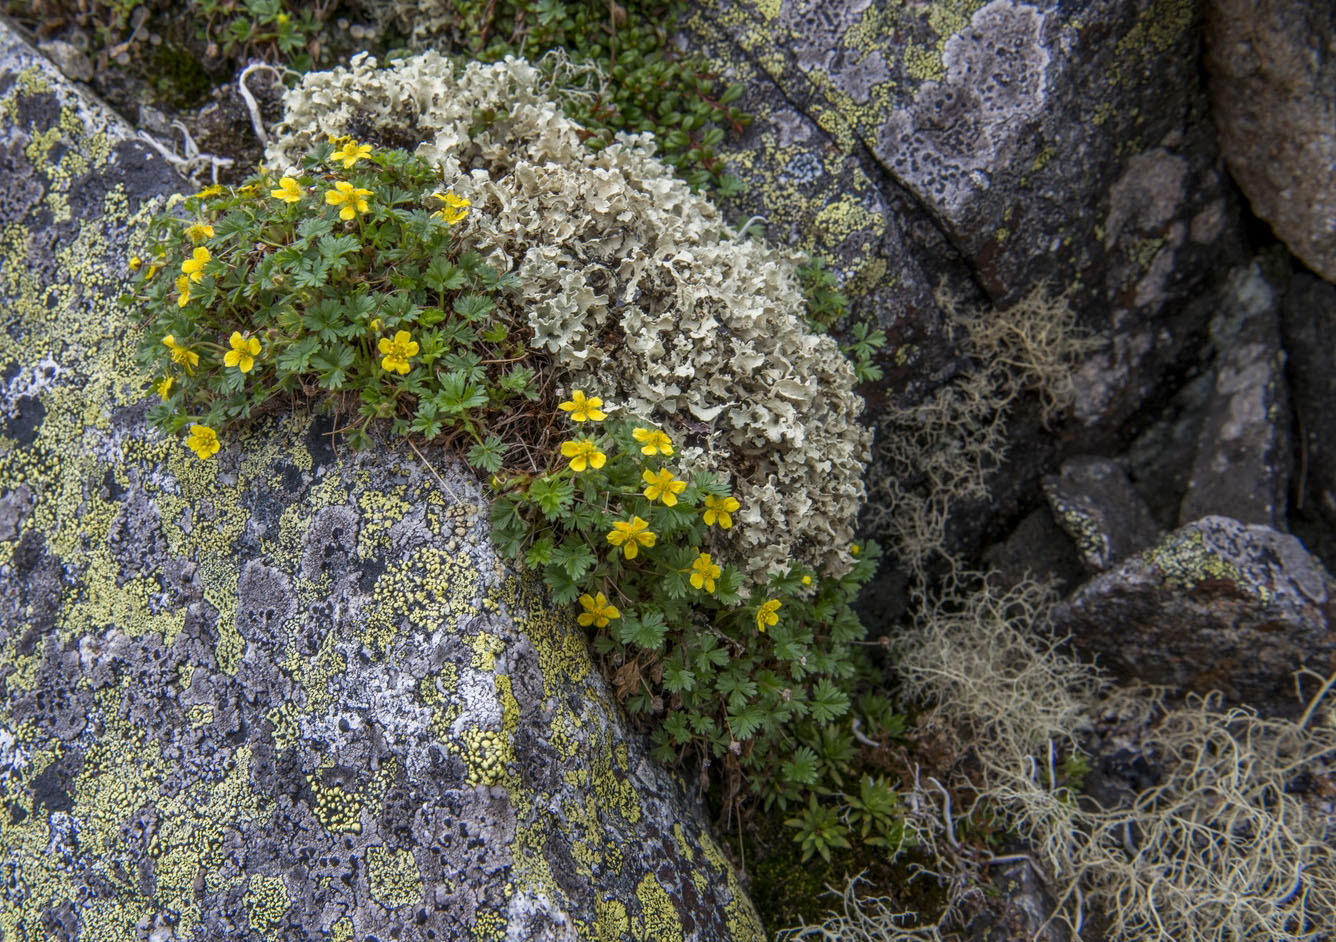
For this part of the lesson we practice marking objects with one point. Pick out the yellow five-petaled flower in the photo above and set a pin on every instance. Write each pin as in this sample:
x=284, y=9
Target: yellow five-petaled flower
x=243, y=353
x=455, y=208
x=289, y=191
x=164, y=387
x=350, y=153
x=203, y=441
x=183, y=286
x=719, y=510
x=351, y=198
x=661, y=485
x=652, y=441
x=598, y=611
x=767, y=615
x=194, y=266
x=703, y=572
x=630, y=535
x=583, y=408
x=187, y=358
x=583, y=455
x=397, y=352
x=199, y=231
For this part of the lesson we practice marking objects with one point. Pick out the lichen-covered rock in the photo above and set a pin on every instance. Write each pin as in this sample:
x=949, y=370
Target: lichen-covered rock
x=987, y=142
x=283, y=693
x=1094, y=502
x=1242, y=465
x=635, y=286
x=1215, y=605
x=1273, y=97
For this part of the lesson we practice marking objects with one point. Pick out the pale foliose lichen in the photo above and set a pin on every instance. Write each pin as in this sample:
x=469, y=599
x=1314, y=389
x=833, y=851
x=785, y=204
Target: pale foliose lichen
x=635, y=286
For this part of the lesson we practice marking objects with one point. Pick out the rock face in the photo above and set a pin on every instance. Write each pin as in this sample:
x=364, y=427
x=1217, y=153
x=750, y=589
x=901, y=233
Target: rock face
x=1216, y=605
x=284, y=693
x=1309, y=324
x=996, y=144
x=1272, y=66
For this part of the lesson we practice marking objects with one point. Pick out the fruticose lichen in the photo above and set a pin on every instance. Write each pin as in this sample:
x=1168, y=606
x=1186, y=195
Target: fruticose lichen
x=634, y=286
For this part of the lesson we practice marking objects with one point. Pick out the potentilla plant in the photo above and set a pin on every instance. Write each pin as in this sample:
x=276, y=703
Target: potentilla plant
x=346, y=280
x=742, y=676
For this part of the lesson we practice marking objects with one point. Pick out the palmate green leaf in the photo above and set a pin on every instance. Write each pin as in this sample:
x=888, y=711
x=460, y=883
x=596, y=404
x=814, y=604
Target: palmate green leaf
x=474, y=307
x=575, y=557
x=441, y=275
x=489, y=455
x=802, y=768
x=827, y=701
x=677, y=678
x=564, y=589
x=297, y=357
x=675, y=725
x=645, y=630
x=459, y=394
x=744, y=721
x=551, y=496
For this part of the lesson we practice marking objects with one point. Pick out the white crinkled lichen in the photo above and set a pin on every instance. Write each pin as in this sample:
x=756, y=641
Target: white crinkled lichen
x=634, y=285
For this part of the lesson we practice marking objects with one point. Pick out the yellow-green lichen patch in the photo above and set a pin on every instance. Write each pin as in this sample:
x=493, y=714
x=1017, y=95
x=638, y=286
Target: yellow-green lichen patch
x=266, y=901
x=658, y=917
x=427, y=589
x=1184, y=559
x=394, y=877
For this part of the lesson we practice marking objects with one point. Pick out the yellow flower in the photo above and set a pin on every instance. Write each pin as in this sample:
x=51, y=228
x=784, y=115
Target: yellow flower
x=213, y=189
x=583, y=408
x=164, y=387
x=598, y=611
x=289, y=191
x=767, y=614
x=583, y=455
x=704, y=572
x=281, y=19
x=855, y=548
x=353, y=199
x=203, y=441
x=661, y=485
x=397, y=352
x=807, y=580
x=630, y=535
x=719, y=510
x=200, y=231
x=135, y=262
x=243, y=353
x=653, y=442
x=194, y=266
x=187, y=358
x=456, y=207
x=350, y=153
x=183, y=286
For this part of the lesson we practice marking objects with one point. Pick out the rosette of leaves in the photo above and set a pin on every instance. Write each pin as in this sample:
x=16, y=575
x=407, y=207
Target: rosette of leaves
x=770, y=707
x=325, y=271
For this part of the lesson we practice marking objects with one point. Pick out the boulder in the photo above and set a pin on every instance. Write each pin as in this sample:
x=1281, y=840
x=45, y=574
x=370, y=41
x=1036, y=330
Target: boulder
x=1242, y=462
x=1095, y=503
x=988, y=145
x=1272, y=67
x=1215, y=605
x=287, y=692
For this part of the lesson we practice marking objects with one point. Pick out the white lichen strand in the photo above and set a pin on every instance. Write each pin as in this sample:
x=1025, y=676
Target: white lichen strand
x=634, y=285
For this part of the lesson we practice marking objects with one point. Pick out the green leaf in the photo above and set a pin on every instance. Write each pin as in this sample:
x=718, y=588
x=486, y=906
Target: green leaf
x=575, y=557
x=489, y=455
x=551, y=495
x=828, y=701
x=441, y=275
x=540, y=554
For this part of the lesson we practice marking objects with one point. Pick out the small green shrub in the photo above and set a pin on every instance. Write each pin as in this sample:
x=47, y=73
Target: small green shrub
x=617, y=63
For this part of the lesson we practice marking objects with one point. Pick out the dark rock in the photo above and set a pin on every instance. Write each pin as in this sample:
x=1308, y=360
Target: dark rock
x=1309, y=324
x=1272, y=73
x=1217, y=604
x=1242, y=464
x=1037, y=549
x=1095, y=503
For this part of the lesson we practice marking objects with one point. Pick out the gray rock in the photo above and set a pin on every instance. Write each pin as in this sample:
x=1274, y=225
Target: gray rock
x=282, y=693
x=1243, y=459
x=1037, y=549
x=69, y=58
x=1095, y=503
x=1217, y=604
x=1309, y=325
x=1272, y=73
